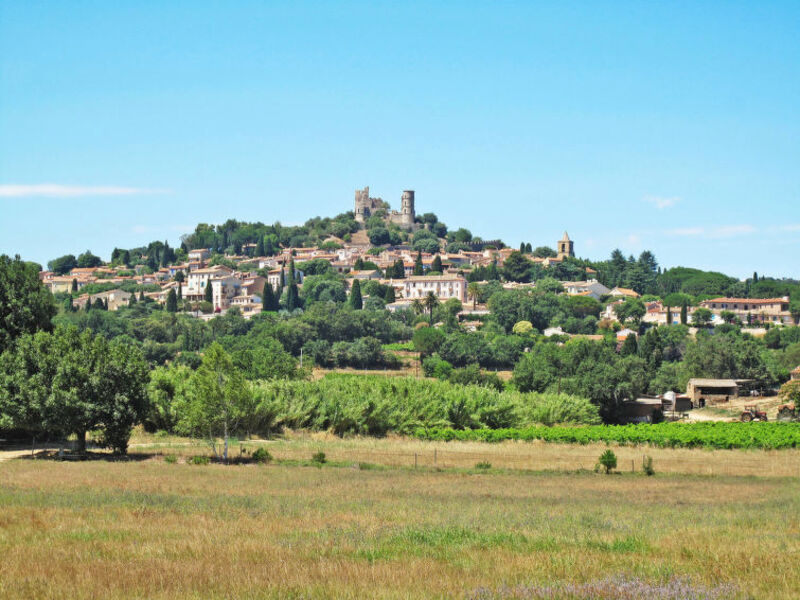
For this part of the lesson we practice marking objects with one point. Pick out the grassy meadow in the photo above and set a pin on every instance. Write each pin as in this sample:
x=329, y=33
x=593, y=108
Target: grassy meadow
x=359, y=528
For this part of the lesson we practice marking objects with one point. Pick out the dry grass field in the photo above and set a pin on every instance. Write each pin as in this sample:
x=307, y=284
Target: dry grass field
x=149, y=528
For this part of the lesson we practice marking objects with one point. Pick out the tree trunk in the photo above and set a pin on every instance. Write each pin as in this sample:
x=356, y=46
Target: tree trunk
x=81, y=444
x=225, y=452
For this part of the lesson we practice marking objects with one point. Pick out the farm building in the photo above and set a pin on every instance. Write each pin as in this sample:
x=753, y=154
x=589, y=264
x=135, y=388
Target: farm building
x=709, y=391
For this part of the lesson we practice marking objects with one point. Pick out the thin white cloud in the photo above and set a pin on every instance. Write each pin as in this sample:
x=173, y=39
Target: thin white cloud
x=662, y=202
x=731, y=231
x=790, y=227
x=56, y=190
x=721, y=231
x=687, y=231
x=634, y=239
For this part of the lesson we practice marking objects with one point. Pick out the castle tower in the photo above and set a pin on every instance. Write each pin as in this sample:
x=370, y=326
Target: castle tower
x=362, y=205
x=407, y=208
x=566, y=247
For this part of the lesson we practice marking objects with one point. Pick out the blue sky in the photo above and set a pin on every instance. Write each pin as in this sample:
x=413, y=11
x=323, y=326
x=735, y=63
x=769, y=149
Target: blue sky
x=665, y=126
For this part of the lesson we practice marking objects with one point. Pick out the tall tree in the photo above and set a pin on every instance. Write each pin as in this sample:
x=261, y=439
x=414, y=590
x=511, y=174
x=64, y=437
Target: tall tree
x=67, y=382
x=418, y=268
x=355, y=295
x=436, y=265
x=25, y=304
x=218, y=401
x=172, y=301
x=430, y=302
x=292, y=295
x=208, y=295
x=268, y=301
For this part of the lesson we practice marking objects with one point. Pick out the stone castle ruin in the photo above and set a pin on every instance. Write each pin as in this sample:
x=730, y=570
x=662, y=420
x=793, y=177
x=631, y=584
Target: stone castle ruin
x=365, y=207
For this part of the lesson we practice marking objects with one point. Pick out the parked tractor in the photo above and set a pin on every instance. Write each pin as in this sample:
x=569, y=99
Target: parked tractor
x=788, y=413
x=751, y=413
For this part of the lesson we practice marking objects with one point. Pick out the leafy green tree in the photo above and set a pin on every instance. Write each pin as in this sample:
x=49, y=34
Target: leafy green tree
x=355, y=295
x=630, y=346
x=68, y=382
x=63, y=264
x=418, y=268
x=172, y=301
x=608, y=460
x=25, y=304
x=378, y=236
x=168, y=387
x=631, y=310
x=88, y=260
x=517, y=267
x=218, y=401
x=701, y=317
x=427, y=340
x=543, y=252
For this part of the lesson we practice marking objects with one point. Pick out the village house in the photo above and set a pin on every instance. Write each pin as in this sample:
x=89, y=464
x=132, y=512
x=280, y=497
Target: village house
x=199, y=254
x=591, y=288
x=774, y=310
x=113, y=298
x=443, y=287
x=623, y=293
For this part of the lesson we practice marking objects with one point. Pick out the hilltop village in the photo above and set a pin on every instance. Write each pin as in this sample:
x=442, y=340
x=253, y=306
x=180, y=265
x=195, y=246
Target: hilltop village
x=414, y=257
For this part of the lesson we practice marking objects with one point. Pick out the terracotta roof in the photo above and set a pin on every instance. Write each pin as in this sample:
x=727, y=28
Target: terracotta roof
x=749, y=300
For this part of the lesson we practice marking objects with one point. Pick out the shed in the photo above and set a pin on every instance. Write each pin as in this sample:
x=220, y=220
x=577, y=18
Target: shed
x=708, y=391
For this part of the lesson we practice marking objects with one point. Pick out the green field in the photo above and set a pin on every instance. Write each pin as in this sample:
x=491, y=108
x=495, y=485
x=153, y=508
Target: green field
x=362, y=527
x=765, y=436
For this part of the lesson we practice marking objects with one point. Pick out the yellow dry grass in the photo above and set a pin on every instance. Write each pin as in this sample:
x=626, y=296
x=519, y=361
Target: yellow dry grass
x=398, y=451
x=149, y=529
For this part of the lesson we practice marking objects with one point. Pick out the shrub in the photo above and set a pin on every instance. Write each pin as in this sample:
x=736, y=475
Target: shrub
x=170, y=459
x=319, y=458
x=199, y=460
x=608, y=460
x=483, y=466
x=647, y=466
x=262, y=456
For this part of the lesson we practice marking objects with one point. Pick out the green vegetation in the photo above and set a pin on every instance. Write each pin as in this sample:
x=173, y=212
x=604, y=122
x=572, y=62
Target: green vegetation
x=767, y=436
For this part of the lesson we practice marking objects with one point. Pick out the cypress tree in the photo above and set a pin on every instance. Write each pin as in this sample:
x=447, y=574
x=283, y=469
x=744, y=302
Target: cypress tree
x=132, y=300
x=418, y=268
x=292, y=297
x=389, y=296
x=260, y=250
x=684, y=314
x=172, y=301
x=356, y=301
x=522, y=247
x=165, y=255
x=528, y=248
x=141, y=296
x=74, y=285
x=437, y=264
x=209, y=292
x=268, y=297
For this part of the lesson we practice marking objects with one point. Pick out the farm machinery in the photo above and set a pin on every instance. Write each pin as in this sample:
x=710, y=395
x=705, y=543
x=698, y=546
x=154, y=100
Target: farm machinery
x=751, y=413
